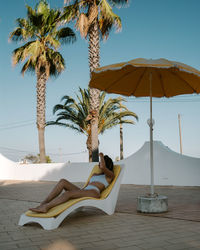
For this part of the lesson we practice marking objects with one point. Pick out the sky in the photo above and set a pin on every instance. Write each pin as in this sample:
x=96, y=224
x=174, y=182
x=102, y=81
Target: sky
x=150, y=29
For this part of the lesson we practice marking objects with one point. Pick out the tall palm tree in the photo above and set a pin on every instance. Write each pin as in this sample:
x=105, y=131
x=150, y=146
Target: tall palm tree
x=74, y=115
x=42, y=37
x=94, y=19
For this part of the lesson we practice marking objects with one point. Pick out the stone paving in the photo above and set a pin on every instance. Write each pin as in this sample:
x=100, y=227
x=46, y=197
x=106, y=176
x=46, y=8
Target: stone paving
x=92, y=229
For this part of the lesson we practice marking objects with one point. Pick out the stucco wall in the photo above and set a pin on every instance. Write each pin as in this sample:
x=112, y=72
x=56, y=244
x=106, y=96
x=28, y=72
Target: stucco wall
x=170, y=168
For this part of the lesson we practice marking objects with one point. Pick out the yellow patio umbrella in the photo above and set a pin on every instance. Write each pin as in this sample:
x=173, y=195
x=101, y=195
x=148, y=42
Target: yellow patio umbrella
x=147, y=77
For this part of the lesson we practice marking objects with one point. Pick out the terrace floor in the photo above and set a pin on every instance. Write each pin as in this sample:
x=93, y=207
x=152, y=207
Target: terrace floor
x=90, y=228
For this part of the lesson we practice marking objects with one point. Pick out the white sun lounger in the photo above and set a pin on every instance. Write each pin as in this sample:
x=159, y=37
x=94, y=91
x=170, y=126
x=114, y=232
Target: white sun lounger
x=53, y=218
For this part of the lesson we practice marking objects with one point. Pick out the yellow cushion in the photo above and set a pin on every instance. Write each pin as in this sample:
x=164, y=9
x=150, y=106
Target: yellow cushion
x=62, y=207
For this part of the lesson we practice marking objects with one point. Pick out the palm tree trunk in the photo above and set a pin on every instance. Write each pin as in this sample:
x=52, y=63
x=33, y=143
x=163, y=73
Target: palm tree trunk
x=42, y=145
x=90, y=155
x=121, y=136
x=121, y=143
x=88, y=143
x=41, y=107
x=94, y=59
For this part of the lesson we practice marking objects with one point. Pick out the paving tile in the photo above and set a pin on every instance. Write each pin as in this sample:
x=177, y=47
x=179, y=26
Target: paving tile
x=30, y=248
x=177, y=246
x=8, y=245
x=130, y=248
x=83, y=245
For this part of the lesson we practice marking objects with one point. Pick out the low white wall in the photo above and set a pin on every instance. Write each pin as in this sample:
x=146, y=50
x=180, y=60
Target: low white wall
x=75, y=172
x=170, y=168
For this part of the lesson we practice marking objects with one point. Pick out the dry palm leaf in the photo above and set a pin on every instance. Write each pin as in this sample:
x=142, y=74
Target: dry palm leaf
x=82, y=24
x=92, y=13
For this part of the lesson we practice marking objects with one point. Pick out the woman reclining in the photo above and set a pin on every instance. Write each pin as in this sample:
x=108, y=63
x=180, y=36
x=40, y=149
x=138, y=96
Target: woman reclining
x=97, y=183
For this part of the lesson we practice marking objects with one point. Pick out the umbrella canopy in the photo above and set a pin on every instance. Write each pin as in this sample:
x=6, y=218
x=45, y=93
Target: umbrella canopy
x=169, y=78
x=147, y=77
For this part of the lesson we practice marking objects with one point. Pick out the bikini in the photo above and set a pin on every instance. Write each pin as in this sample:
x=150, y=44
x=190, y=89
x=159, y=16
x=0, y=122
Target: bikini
x=97, y=178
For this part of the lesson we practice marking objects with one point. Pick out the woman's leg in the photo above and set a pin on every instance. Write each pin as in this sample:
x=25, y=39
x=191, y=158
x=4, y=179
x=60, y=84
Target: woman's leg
x=60, y=186
x=65, y=197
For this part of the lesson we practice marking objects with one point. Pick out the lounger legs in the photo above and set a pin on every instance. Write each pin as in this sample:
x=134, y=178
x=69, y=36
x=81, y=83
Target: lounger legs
x=53, y=223
x=46, y=223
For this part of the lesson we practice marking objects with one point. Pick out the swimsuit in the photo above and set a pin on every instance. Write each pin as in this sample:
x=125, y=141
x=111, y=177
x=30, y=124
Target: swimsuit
x=92, y=187
x=97, y=178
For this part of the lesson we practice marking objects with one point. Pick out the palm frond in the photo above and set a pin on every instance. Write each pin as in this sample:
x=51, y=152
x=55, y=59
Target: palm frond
x=128, y=113
x=30, y=12
x=119, y=3
x=127, y=122
x=52, y=41
x=64, y=125
x=55, y=61
x=66, y=35
x=82, y=24
x=68, y=100
x=21, y=53
x=42, y=8
x=70, y=12
x=57, y=107
x=28, y=66
x=111, y=114
x=108, y=19
x=17, y=35
x=22, y=22
x=23, y=32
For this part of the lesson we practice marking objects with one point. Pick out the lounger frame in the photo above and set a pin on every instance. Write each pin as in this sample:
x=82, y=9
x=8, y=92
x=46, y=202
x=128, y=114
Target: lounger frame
x=107, y=205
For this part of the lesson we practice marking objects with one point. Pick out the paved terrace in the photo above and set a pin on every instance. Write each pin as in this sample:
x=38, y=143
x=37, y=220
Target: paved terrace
x=91, y=229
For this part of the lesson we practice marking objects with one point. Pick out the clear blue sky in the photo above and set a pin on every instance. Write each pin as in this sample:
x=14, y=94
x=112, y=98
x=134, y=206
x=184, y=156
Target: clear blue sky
x=151, y=29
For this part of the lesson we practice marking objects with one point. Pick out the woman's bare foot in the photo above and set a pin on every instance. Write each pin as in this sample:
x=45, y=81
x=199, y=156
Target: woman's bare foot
x=40, y=209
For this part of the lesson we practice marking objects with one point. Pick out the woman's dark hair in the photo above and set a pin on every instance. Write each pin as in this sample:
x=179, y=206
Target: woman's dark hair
x=108, y=162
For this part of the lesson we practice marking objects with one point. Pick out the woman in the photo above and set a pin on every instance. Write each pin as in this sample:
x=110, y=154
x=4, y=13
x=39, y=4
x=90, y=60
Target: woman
x=97, y=183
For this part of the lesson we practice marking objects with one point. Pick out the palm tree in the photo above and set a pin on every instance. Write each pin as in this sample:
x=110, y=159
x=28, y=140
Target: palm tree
x=42, y=37
x=75, y=115
x=94, y=19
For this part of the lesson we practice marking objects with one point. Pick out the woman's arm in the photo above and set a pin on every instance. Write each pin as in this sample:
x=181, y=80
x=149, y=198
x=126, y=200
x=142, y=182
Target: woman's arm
x=102, y=166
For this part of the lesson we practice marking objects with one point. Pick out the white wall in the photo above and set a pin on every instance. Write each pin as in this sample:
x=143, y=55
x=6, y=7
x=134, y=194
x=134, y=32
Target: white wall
x=170, y=168
x=75, y=172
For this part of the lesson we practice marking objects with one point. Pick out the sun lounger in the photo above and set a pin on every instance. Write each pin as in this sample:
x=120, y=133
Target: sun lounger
x=53, y=218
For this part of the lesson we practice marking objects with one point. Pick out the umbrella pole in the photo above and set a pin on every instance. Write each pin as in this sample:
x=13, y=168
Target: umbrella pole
x=151, y=138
